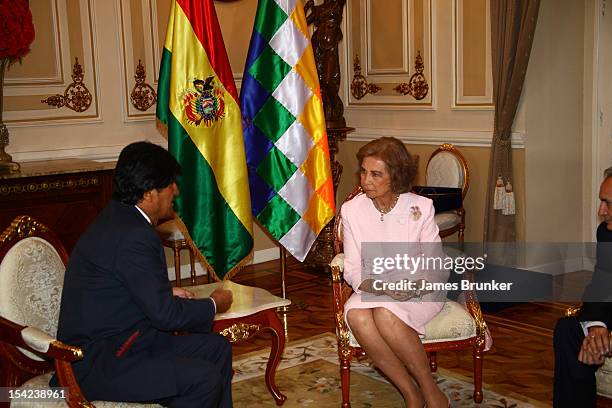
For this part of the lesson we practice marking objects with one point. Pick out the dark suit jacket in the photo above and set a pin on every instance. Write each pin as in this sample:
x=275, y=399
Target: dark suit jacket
x=116, y=285
x=597, y=297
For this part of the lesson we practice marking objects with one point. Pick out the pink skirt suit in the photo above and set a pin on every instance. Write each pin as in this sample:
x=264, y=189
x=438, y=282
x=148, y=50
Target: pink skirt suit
x=410, y=221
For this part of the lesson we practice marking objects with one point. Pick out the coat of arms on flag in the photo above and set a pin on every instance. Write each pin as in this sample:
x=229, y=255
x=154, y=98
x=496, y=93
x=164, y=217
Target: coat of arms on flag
x=204, y=102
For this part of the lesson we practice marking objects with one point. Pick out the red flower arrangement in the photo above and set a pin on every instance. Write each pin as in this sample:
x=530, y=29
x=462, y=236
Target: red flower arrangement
x=16, y=29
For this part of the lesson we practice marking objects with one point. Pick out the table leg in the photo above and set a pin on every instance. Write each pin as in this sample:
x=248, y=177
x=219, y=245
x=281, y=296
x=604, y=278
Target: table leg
x=276, y=353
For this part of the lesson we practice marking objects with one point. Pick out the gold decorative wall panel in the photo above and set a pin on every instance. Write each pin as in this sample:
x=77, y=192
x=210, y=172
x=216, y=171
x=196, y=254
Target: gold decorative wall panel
x=388, y=41
x=64, y=31
x=76, y=96
x=141, y=53
x=472, y=78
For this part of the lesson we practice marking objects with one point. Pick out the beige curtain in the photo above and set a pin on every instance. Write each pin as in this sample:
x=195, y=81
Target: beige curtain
x=512, y=28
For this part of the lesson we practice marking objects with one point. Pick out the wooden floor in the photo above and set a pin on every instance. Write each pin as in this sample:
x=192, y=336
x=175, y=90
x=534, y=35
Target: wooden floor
x=521, y=360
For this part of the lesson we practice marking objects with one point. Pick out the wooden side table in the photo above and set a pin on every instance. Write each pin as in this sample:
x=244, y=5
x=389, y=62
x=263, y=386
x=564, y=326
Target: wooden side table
x=65, y=195
x=253, y=310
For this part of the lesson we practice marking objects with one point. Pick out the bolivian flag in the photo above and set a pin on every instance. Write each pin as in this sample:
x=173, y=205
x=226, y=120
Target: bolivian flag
x=197, y=102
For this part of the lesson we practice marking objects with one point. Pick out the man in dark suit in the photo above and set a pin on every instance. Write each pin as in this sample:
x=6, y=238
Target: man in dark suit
x=582, y=342
x=119, y=307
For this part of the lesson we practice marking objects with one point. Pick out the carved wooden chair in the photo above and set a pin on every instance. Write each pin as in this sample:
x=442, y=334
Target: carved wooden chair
x=456, y=327
x=447, y=167
x=32, y=266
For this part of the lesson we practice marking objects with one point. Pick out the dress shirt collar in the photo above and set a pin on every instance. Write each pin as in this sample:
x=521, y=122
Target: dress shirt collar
x=143, y=214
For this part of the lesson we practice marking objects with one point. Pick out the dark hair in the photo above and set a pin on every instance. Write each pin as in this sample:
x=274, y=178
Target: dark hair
x=143, y=166
x=400, y=164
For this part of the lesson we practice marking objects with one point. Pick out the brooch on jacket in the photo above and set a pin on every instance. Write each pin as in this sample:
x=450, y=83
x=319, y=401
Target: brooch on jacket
x=415, y=212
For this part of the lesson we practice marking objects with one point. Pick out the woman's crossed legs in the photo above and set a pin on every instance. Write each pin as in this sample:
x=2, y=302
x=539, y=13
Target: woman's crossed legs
x=396, y=349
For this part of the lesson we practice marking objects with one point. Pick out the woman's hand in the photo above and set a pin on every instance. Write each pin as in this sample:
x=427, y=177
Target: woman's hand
x=399, y=295
x=404, y=295
x=368, y=286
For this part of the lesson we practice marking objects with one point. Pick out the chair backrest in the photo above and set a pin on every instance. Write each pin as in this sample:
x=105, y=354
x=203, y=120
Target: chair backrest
x=32, y=266
x=447, y=168
x=338, y=248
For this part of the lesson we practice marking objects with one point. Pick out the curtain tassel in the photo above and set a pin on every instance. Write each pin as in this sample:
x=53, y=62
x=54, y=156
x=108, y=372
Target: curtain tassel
x=500, y=192
x=509, y=206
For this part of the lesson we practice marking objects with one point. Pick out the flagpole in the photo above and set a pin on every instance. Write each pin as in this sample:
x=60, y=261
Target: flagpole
x=283, y=270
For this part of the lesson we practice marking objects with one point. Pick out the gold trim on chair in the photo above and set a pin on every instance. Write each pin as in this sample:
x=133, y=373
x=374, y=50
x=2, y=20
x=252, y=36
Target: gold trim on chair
x=21, y=227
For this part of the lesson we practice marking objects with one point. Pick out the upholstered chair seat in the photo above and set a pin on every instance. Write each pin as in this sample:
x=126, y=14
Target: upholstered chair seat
x=447, y=220
x=604, y=378
x=42, y=382
x=453, y=323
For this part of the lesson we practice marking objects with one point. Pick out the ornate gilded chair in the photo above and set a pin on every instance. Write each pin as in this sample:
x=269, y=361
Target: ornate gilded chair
x=32, y=266
x=447, y=168
x=456, y=327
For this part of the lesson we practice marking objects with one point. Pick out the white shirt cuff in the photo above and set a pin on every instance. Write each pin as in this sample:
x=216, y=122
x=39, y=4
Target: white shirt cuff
x=214, y=304
x=586, y=325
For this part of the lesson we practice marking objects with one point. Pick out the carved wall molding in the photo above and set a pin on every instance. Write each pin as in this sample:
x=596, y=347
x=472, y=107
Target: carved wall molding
x=468, y=22
x=46, y=186
x=143, y=96
x=472, y=138
x=56, y=60
x=417, y=87
x=388, y=48
x=76, y=96
x=70, y=31
x=359, y=85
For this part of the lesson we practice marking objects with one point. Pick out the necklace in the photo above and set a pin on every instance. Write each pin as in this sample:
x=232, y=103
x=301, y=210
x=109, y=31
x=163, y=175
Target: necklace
x=386, y=211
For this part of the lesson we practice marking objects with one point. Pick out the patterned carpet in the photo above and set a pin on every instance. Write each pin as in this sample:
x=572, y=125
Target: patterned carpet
x=309, y=377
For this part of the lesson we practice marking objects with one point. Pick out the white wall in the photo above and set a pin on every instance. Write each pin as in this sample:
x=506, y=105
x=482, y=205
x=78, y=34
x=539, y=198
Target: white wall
x=553, y=108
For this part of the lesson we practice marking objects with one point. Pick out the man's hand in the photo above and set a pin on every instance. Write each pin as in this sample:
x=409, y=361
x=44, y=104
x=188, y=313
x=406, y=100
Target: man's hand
x=182, y=293
x=223, y=299
x=595, y=346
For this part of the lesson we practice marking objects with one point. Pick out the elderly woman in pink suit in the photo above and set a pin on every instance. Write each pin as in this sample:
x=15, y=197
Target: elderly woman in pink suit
x=389, y=330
